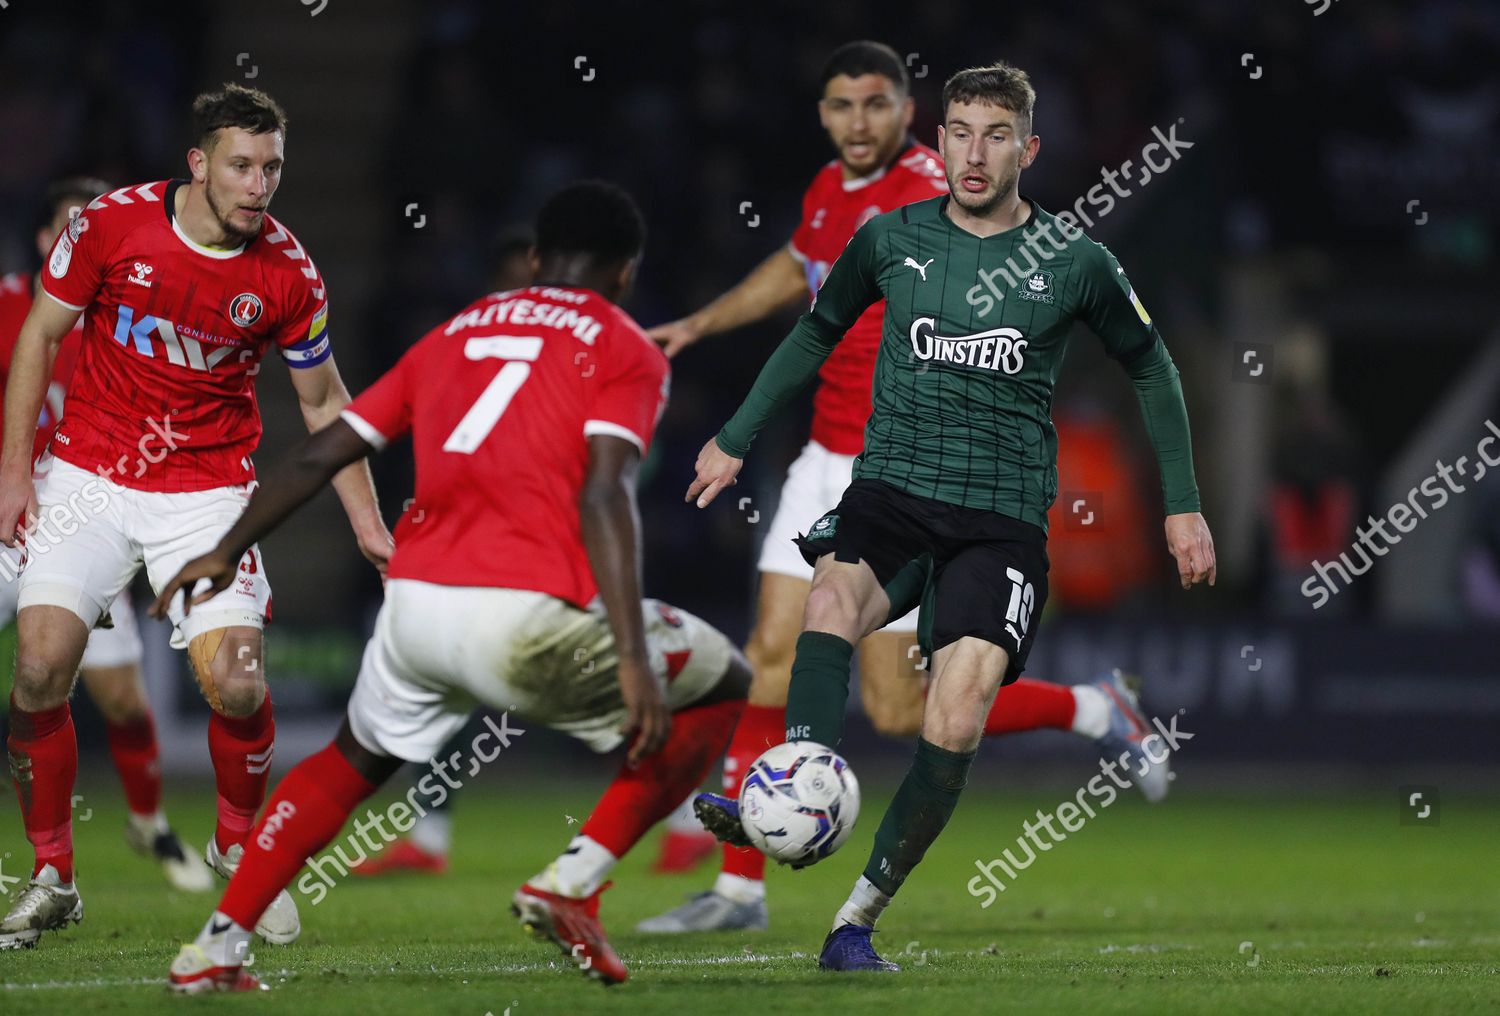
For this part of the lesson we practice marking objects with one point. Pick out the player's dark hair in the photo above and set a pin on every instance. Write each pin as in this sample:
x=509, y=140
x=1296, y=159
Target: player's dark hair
x=511, y=241
x=67, y=191
x=999, y=83
x=236, y=106
x=593, y=218
x=866, y=57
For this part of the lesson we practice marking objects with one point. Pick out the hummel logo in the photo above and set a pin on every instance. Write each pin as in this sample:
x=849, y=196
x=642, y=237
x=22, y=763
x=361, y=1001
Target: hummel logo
x=141, y=271
x=922, y=268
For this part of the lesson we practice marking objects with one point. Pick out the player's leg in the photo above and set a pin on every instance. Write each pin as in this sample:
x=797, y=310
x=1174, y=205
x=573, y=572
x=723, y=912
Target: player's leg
x=737, y=900
x=984, y=598
x=111, y=673
x=707, y=680
x=1105, y=710
x=225, y=648
x=892, y=682
x=76, y=563
x=426, y=847
x=391, y=718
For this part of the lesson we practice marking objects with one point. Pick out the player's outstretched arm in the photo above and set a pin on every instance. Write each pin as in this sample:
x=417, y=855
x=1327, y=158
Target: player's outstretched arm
x=42, y=332
x=611, y=528
x=323, y=396
x=772, y=285
x=305, y=470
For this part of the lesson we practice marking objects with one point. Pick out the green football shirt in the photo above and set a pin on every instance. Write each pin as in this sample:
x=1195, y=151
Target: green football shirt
x=962, y=400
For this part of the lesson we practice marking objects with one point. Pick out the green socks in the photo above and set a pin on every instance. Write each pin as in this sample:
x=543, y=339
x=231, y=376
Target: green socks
x=819, y=689
x=917, y=814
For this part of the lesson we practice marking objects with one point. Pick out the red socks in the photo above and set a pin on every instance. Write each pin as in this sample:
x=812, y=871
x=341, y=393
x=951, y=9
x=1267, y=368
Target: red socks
x=132, y=744
x=641, y=797
x=1029, y=704
x=241, y=751
x=305, y=814
x=44, y=763
x=761, y=727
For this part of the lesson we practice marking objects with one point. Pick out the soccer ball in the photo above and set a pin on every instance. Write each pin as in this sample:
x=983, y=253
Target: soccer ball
x=799, y=802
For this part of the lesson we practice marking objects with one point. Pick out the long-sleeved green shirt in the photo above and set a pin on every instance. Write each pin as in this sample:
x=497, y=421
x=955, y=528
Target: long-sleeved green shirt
x=967, y=362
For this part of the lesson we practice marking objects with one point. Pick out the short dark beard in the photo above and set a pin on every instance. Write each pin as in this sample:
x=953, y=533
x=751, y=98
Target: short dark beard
x=1002, y=188
x=230, y=230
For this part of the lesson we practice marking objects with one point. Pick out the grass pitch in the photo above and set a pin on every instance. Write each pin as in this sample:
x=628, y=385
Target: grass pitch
x=1201, y=904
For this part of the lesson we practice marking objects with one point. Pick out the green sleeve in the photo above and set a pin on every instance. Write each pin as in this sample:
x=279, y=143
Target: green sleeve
x=851, y=287
x=1110, y=307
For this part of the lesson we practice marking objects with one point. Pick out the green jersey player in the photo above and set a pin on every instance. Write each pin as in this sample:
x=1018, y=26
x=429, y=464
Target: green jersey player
x=960, y=459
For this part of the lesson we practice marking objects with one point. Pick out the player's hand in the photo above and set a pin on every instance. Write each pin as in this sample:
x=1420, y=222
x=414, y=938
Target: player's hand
x=377, y=545
x=648, y=716
x=1192, y=545
x=675, y=336
x=717, y=469
x=18, y=508
x=214, y=566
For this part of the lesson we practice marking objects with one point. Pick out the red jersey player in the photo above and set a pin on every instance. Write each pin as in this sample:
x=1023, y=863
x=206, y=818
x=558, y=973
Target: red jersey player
x=515, y=582
x=867, y=110
x=110, y=668
x=184, y=285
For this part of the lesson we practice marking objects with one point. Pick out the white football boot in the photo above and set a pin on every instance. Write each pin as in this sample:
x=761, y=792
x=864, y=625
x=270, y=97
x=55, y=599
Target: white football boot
x=44, y=905
x=280, y=924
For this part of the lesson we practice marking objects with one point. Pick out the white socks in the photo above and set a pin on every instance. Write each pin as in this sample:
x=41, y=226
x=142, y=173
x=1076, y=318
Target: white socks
x=579, y=871
x=149, y=826
x=1090, y=711
x=739, y=888
x=224, y=942
x=864, y=907
x=683, y=820
x=433, y=832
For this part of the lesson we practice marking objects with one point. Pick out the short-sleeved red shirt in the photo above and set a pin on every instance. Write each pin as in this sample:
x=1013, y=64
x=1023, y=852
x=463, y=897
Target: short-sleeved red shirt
x=500, y=401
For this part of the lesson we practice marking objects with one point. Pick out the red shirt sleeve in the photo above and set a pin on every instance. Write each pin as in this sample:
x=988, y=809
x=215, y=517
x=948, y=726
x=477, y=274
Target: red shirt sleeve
x=631, y=387
x=302, y=335
x=80, y=259
x=383, y=411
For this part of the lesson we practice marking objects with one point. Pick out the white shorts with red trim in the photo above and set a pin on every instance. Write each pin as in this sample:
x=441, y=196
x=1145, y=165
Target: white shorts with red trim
x=440, y=651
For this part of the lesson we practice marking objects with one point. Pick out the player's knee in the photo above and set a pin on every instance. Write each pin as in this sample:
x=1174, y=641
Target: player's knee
x=830, y=607
x=119, y=695
x=228, y=668
x=894, y=721
x=770, y=652
x=40, y=683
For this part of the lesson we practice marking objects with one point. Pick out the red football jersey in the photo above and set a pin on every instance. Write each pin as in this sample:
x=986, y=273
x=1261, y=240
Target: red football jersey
x=163, y=396
x=500, y=401
x=832, y=209
x=15, y=304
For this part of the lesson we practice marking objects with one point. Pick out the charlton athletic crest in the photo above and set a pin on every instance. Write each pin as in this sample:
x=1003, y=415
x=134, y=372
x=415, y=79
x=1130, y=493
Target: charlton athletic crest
x=244, y=310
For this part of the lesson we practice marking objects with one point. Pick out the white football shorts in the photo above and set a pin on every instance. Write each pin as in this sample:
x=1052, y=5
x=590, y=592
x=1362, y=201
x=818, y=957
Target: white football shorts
x=814, y=485
x=440, y=651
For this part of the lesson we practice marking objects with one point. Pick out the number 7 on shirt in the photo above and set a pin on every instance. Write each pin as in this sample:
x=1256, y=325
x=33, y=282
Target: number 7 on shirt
x=520, y=351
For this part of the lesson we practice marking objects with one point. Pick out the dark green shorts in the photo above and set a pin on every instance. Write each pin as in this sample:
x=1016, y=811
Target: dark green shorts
x=979, y=573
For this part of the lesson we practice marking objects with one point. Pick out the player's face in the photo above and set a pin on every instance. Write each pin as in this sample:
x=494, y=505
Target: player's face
x=866, y=118
x=240, y=173
x=984, y=152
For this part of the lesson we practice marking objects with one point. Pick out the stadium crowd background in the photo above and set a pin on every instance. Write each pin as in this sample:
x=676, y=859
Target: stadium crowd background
x=1334, y=218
